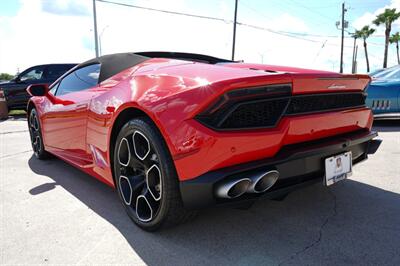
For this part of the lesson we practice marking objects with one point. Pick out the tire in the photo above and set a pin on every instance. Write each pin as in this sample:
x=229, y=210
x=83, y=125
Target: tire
x=35, y=132
x=145, y=177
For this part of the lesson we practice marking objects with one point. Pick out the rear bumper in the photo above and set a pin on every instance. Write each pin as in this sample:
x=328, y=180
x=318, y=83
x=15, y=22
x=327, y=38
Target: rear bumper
x=197, y=150
x=298, y=165
x=388, y=116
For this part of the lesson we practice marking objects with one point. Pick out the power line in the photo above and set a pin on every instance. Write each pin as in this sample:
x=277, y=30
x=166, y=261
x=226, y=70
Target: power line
x=299, y=33
x=285, y=34
x=276, y=32
x=376, y=44
x=295, y=35
x=166, y=11
x=288, y=6
x=311, y=10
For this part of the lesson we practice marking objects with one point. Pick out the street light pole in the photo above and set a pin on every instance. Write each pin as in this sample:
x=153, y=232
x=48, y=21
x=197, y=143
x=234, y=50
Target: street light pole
x=100, y=35
x=234, y=31
x=96, y=39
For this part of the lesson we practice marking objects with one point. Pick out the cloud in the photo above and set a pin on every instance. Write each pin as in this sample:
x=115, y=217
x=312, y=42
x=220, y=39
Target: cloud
x=365, y=19
x=142, y=30
x=40, y=34
x=368, y=17
x=288, y=22
x=66, y=7
x=35, y=37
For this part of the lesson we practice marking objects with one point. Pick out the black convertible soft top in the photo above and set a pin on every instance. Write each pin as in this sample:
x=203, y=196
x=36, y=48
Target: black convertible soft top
x=186, y=56
x=114, y=63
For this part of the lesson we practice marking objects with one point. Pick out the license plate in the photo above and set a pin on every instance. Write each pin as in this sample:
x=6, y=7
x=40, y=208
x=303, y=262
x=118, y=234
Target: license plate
x=337, y=168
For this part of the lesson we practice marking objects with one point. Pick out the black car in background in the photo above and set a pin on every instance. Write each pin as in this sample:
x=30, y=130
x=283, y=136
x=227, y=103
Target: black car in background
x=15, y=90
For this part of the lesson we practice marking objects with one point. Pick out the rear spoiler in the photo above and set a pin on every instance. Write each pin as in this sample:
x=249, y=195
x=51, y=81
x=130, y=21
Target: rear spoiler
x=323, y=83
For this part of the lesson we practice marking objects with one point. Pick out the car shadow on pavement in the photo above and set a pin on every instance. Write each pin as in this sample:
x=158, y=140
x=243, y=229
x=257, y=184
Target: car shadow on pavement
x=386, y=125
x=14, y=118
x=348, y=223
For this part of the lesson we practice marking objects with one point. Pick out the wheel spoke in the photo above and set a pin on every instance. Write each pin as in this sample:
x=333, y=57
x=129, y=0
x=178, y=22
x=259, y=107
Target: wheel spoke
x=136, y=163
x=33, y=122
x=31, y=118
x=153, y=182
x=36, y=124
x=34, y=143
x=37, y=143
x=33, y=135
x=138, y=183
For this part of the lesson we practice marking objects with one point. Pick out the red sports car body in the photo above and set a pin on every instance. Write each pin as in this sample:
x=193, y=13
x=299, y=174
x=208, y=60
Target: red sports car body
x=197, y=129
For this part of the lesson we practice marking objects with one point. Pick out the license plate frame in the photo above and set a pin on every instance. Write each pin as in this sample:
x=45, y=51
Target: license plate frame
x=338, y=168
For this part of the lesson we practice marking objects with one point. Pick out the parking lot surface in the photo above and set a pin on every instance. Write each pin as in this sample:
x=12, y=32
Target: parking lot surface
x=52, y=213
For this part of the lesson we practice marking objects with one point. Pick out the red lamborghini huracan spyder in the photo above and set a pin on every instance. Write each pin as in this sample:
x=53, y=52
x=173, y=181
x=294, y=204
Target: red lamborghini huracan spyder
x=174, y=132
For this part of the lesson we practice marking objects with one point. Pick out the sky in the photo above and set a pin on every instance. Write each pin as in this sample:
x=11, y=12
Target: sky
x=300, y=33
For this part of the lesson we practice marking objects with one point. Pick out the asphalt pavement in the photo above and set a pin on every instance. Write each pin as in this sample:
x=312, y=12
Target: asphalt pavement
x=51, y=213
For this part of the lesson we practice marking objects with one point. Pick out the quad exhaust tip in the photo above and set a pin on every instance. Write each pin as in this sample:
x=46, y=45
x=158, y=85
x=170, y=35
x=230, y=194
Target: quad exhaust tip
x=263, y=182
x=256, y=184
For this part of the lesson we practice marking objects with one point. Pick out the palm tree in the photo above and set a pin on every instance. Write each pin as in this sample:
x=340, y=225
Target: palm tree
x=395, y=38
x=387, y=18
x=364, y=33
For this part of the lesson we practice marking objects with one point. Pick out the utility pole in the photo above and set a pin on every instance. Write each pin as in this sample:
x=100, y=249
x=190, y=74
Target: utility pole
x=342, y=45
x=234, y=30
x=96, y=38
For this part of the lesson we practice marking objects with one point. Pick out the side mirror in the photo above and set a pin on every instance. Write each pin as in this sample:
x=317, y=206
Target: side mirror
x=38, y=89
x=43, y=90
x=17, y=79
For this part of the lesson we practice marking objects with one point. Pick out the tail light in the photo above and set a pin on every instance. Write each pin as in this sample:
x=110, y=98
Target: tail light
x=263, y=107
x=235, y=109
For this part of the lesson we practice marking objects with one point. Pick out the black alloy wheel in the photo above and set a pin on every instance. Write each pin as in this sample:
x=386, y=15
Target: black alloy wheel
x=36, y=135
x=145, y=177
